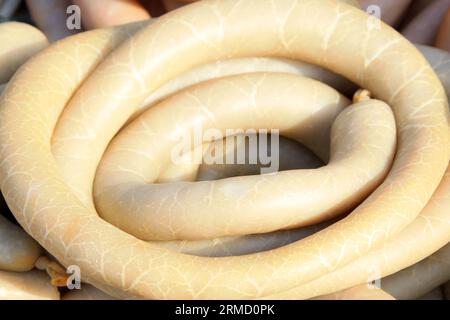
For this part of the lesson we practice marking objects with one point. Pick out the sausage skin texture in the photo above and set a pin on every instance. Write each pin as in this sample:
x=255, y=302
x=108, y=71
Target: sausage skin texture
x=128, y=74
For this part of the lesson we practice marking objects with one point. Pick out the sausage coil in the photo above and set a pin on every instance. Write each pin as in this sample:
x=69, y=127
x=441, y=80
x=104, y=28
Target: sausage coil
x=83, y=147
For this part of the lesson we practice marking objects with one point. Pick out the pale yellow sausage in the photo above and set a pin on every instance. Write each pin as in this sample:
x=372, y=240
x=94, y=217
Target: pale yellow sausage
x=230, y=67
x=236, y=246
x=436, y=294
x=421, y=278
x=175, y=4
x=292, y=156
x=421, y=119
x=186, y=172
x=18, y=251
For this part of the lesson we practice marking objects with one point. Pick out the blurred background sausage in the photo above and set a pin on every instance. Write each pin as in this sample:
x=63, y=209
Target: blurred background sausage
x=391, y=11
x=113, y=12
x=424, y=27
x=443, y=38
